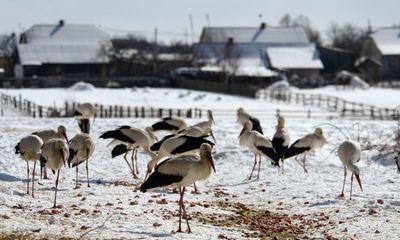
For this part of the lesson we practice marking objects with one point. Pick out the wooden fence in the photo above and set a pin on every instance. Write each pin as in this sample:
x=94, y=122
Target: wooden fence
x=30, y=108
x=344, y=107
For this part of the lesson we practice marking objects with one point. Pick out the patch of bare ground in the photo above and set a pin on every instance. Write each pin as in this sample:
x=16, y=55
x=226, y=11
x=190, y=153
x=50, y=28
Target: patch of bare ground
x=262, y=224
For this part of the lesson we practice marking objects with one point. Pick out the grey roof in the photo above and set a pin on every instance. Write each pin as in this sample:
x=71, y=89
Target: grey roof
x=7, y=45
x=298, y=57
x=387, y=40
x=68, y=44
x=281, y=35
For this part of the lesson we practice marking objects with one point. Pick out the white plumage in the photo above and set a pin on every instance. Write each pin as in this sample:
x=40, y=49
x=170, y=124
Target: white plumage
x=206, y=124
x=195, y=131
x=83, y=113
x=132, y=138
x=176, y=146
x=350, y=153
x=47, y=135
x=243, y=117
x=171, y=124
x=29, y=149
x=180, y=172
x=54, y=155
x=309, y=142
x=81, y=148
x=281, y=140
x=257, y=144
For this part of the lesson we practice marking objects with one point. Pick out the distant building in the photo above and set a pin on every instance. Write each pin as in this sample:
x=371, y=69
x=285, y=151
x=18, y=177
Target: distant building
x=380, y=56
x=62, y=50
x=257, y=51
x=7, y=51
x=336, y=60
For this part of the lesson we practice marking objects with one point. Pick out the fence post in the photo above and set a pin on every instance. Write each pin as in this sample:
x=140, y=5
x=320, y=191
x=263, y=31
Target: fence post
x=129, y=112
x=101, y=111
x=136, y=112
x=189, y=113
x=121, y=111
x=277, y=112
x=142, y=112
x=308, y=113
x=160, y=112
x=40, y=111
x=152, y=112
x=110, y=110
x=170, y=112
x=179, y=113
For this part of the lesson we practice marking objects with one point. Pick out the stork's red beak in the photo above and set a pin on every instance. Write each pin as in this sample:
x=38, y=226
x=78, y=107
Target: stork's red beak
x=62, y=156
x=358, y=180
x=241, y=133
x=210, y=158
x=66, y=138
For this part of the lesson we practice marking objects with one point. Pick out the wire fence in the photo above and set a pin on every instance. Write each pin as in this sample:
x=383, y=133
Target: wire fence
x=344, y=107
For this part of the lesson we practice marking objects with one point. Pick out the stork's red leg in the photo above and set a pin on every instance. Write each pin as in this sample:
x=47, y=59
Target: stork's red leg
x=180, y=210
x=184, y=213
x=27, y=171
x=33, y=179
x=55, y=194
x=351, y=185
x=344, y=181
x=254, y=166
x=87, y=167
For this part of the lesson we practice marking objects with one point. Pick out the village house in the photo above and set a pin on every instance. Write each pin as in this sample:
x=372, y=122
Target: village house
x=7, y=51
x=62, y=50
x=257, y=52
x=380, y=56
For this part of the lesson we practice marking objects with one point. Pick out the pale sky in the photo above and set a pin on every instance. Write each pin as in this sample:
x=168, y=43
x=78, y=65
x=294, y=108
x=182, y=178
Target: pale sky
x=171, y=17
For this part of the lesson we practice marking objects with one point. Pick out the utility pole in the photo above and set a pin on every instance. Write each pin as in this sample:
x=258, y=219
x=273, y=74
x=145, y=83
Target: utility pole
x=155, y=53
x=191, y=27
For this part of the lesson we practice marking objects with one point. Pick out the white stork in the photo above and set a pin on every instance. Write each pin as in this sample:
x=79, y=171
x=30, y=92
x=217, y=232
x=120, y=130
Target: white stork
x=170, y=124
x=83, y=113
x=176, y=146
x=29, y=149
x=306, y=144
x=243, y=117
x=54, y=155
x=180, y=172
x=81, y=148
x=257, y=144
x=46, y=135
x=350, y=153
x=130, y=138
x=206, y=124
x=195, y=131
x=281, y=140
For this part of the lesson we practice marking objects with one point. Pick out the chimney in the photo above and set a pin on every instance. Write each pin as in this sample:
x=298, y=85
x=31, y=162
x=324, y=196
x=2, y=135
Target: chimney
x=263, y=25
x=230, y=40
x=61, y=22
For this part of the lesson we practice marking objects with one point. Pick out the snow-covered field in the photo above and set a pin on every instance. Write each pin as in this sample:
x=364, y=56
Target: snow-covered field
x=229, y=206
x=380, y=97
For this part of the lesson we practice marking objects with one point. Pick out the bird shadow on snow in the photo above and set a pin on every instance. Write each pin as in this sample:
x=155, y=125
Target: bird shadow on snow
x=150, y=234
x=323, y=203
x=9, y=178
x=244, y=182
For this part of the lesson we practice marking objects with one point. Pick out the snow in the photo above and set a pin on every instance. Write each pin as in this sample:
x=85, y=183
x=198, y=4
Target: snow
x=380, y=97
x=282, y=85
x=82, y=86
x=129, y=214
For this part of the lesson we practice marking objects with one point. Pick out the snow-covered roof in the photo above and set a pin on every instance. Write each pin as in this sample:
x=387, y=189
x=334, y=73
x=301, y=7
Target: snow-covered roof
x=387, y=40
x=63, y=43
x=7, y=45
x=294, y=57
x=254, y=35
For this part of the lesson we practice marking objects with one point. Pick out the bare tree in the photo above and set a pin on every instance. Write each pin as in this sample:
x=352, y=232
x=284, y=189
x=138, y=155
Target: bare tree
x=347, y=36
x=302, y=21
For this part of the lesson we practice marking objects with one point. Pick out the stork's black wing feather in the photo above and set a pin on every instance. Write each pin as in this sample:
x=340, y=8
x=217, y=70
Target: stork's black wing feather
x=17, y=151
x=77, y=113
x=280, y=150
x=256, y=125
x=270, y=152
x=118, y=135
x=163, y=125
x=158, y=179
x=119, y=150
x=190, y=144
x=156, y=146
x=125, y=127
x=72, y=154
x=295, y=150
